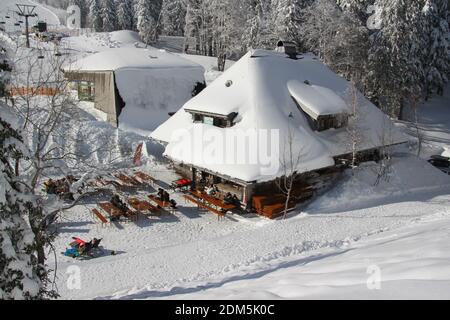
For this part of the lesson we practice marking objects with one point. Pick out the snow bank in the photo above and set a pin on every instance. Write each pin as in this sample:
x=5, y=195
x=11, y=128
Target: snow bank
x=406, y=175
x=409, y=263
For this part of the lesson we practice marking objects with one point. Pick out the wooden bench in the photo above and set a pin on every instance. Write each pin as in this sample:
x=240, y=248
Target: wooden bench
x=164, y=205
x=100, y=216
x=126, y=180
x=145, y=177
x=204, y=206
x=113, y=211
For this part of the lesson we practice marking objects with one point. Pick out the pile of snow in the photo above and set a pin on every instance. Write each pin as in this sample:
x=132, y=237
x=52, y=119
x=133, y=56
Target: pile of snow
x=256, y=88
x=359, y=186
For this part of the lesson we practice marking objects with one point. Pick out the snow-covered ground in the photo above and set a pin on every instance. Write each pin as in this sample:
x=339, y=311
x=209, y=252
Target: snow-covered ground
x=410, y=262
x=433, y=118
x=190, y=253
x=329, y=248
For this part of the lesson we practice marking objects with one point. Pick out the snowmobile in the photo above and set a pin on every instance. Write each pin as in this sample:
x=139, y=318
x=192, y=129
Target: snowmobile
x=82, y=249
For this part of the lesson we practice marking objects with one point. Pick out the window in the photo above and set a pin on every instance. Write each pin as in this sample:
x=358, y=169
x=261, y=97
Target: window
x=86, y=91
x=208, y=120
x=219, y=121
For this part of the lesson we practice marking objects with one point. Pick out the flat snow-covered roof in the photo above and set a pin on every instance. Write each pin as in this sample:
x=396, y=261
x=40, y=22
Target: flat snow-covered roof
x=130, y=58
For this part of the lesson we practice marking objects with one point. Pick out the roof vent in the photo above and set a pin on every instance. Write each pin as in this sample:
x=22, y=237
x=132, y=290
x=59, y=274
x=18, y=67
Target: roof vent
x=229, y=83
x=287, y=47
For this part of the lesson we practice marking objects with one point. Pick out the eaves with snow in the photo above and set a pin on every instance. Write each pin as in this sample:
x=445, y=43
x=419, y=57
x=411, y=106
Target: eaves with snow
x=266, y=90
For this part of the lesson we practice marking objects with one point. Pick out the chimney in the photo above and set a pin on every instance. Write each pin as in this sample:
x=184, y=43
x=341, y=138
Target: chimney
x=287, y=47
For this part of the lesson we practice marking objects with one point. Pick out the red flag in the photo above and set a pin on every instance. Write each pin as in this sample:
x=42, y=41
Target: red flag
x=138, y=154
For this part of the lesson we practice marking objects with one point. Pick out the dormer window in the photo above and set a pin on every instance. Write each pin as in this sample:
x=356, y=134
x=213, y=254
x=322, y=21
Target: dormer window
x=213, y=119
x=323, y=108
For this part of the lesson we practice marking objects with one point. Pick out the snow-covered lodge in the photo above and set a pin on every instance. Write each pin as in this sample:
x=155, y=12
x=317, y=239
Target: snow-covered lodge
x=297, y=96
x=135, y=87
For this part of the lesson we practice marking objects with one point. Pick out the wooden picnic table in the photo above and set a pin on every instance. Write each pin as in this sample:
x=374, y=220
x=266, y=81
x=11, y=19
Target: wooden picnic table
x=129, y=181
x=141, y=205
x=113, y=211
x=213, y=201
x=203, y=205
x=162, y=204
x=165, y=205
x=145, y=177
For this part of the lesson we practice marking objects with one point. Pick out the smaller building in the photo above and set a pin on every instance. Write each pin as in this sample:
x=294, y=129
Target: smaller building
x=135, y=87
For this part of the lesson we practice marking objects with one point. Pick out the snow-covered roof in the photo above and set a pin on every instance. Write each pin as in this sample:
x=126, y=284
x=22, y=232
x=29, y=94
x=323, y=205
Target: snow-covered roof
x=130, y=58
x=316, y=100
x=260, y=89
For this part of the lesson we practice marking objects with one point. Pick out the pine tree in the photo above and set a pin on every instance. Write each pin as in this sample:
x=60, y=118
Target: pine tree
x=287, y=18
x=173, y=17
x=84, y=10
x=125, y=14
x=95, y=18
x=109, y=16
x=396, y=72
x=149, y=16
x=436, y=45
x=22, y=258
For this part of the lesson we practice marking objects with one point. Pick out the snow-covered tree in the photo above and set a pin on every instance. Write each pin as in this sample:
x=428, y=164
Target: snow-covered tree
x=287, y=18
x=396, y=69
x=84, y=10
x=95, y=18
x=125, y=14
x=109, y=15
x=149, y=18
x=22, y=258
x=21, y=275
x=338, y=38
x=436, y=45
x=173, y=17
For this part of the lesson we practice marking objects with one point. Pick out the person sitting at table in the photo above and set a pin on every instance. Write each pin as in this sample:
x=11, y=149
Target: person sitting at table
x=166, y=196
x=173, y=204
x=210, y=191
x=118, y=203
x=160, y=194
x=228, y=198
x=235, y=200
